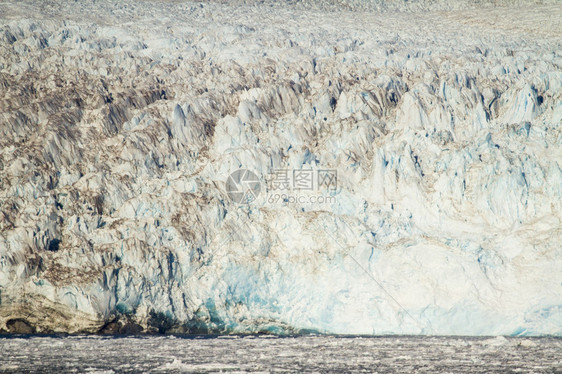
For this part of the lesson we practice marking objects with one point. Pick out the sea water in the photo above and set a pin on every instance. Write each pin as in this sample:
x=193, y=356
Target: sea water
x=213, y=354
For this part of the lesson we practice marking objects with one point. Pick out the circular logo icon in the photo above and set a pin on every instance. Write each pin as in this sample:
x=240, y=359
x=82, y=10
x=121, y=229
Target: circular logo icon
x=243, y=186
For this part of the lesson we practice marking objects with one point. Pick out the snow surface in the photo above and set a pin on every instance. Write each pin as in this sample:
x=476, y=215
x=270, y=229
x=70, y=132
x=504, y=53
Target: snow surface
x=121, y=121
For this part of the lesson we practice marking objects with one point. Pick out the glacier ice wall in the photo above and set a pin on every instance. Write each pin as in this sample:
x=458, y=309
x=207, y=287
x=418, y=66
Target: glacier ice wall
x=118, y=133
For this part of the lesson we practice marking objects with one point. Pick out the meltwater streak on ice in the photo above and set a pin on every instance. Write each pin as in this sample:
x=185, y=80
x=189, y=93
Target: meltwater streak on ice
x=117, y=134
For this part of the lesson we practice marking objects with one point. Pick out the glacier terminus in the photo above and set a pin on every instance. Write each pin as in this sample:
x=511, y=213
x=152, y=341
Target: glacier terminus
x=239, y=167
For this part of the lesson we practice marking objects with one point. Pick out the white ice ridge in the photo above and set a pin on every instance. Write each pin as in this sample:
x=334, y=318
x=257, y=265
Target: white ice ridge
x=120, y=123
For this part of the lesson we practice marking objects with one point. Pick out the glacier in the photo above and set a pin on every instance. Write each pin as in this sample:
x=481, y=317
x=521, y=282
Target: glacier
x=118, y=132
